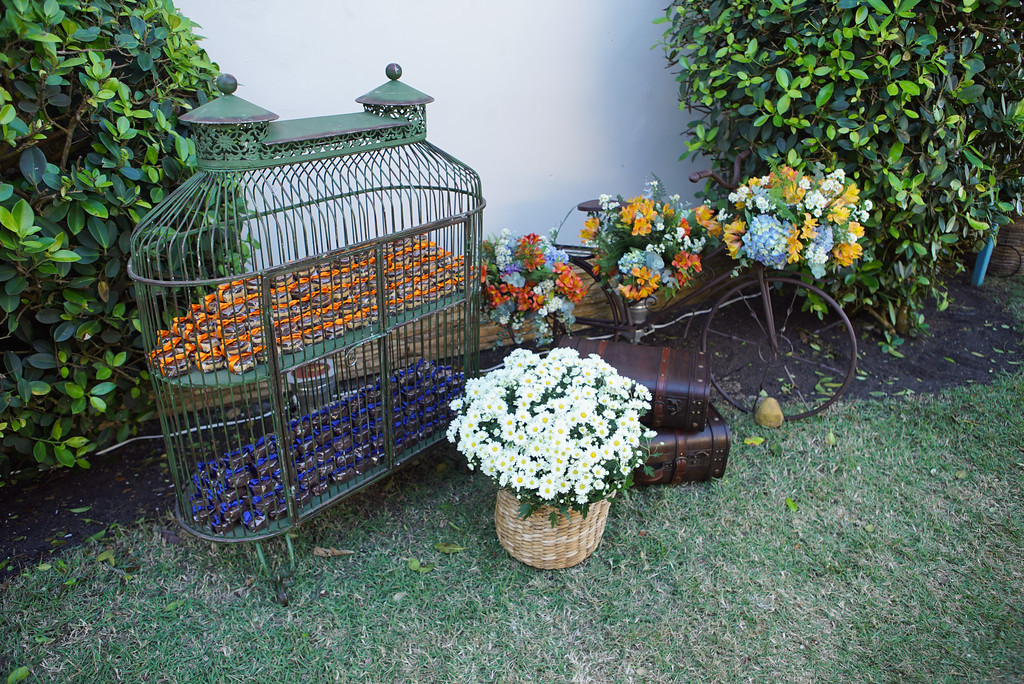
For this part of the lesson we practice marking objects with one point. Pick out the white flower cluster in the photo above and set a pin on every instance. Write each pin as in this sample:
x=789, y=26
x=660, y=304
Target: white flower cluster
x=690, y=245
x=864, y=214
x=814, y=202
x=749, y=196
x=560, y=430
x=503, y=250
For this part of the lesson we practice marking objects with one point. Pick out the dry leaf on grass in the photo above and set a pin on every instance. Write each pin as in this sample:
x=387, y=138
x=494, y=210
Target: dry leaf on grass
x=330, y=552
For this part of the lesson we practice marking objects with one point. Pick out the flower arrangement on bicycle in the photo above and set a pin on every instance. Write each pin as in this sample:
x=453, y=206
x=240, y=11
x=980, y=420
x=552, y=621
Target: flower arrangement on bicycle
x=528, y=286
x=644, y=244
x=789, y=218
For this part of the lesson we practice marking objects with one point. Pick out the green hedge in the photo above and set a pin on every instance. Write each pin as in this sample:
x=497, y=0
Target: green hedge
x=89, y=100
x=920, y=101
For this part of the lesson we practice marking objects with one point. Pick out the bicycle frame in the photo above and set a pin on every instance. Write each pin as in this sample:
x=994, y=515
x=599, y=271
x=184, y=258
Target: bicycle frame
x=620, y=321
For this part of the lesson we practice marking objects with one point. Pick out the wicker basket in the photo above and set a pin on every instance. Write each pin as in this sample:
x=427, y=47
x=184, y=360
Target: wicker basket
x=1008, y=256
x=536, y=543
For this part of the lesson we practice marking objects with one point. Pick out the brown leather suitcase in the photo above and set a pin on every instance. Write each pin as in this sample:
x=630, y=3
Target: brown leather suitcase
x=677, y=378
x=681, y=456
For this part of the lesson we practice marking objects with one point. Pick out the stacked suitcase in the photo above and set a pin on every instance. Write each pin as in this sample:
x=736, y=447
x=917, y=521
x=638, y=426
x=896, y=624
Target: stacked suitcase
x=692, y=443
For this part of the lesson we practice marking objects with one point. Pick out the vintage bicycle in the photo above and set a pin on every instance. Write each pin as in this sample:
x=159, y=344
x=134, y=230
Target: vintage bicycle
x=767, y=331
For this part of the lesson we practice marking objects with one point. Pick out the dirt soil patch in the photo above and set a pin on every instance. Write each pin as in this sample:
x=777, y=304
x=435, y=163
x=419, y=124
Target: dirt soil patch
x=973, y=341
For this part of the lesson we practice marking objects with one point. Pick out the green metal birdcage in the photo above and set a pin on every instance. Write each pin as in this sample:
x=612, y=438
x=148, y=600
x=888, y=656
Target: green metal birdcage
x=308, y=304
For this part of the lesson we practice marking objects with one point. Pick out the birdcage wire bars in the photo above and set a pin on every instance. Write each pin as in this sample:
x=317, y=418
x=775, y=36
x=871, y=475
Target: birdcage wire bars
x=308, y=308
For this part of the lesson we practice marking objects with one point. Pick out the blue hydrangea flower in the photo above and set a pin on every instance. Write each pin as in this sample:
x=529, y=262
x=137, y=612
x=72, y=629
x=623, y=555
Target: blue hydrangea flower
x=765, y=241
x=818, y=252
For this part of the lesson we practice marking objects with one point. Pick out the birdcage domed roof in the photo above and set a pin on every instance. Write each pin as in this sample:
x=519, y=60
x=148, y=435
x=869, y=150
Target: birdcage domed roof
x=228, y=108
x=394, y=93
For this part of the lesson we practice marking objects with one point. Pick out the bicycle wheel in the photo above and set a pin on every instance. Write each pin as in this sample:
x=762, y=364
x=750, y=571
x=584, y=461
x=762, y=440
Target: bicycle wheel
x=778, y=348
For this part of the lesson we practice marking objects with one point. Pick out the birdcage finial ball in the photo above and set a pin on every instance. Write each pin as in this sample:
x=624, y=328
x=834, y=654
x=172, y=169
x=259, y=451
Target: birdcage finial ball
x=226, y=83
x=393, y=71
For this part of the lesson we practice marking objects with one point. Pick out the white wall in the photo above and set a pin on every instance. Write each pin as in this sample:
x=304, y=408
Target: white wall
x=552, y=101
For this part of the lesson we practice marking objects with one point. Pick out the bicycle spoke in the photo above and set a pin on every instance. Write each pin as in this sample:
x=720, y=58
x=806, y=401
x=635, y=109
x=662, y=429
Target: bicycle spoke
x=796, y=384
x=783, y=322
x=734, y=338
x=805, y=366
x=819, y=364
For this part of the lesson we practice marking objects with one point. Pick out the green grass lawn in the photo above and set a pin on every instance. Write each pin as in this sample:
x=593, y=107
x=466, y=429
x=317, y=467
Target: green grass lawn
x=892, y=552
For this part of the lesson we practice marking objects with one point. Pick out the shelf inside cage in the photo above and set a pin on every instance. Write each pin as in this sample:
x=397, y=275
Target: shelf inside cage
x=224, y=509
x=224, y=378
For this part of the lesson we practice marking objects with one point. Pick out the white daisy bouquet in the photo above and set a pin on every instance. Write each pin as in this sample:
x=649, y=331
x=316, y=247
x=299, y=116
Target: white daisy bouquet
x=559, y=431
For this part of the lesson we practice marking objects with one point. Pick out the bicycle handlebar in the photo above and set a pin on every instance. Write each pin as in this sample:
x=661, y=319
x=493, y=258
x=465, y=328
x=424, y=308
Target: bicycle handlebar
x=709, y=173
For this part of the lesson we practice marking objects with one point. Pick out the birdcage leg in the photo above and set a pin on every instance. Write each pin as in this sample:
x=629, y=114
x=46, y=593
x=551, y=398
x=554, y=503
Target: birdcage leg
x=278, y=580
x=291, y=553
x=263, y=559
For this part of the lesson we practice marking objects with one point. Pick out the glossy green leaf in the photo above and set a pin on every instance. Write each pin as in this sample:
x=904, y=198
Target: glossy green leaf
x=95, y=208
x=895, y=152
x=42, y=360
x=32, y=164
x=39, y=388
x=9, y=303
x=824, y=95
x=65, y=331
x=86, y=35
x=102, y=389
x=15, y=285
x=65, y=457
x=65, y=255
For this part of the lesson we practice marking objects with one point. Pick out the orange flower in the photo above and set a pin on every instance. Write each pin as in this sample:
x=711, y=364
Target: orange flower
x=644, y=214
x=732, y=236
x=684, y=261
x=851, y=194
x=705, y=217
x=856, y=229
x=531, y=256
x=568, y=283
x=839, y=214
x=792, y=192
x=846, y=254
x=639, y=214
x=646, y=284
x=687, y=265
x=809, y=232
x=641, y=226
x=527, y=299
x=590, y=227
x=494, y=296
x=794, y=246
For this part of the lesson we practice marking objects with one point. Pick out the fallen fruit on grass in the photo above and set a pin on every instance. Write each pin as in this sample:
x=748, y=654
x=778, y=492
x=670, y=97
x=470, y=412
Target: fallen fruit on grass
x=768, y=413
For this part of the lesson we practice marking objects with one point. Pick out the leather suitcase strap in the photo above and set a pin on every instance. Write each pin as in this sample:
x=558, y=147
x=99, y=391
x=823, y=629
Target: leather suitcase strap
x=658, y=405
x=688, y=456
